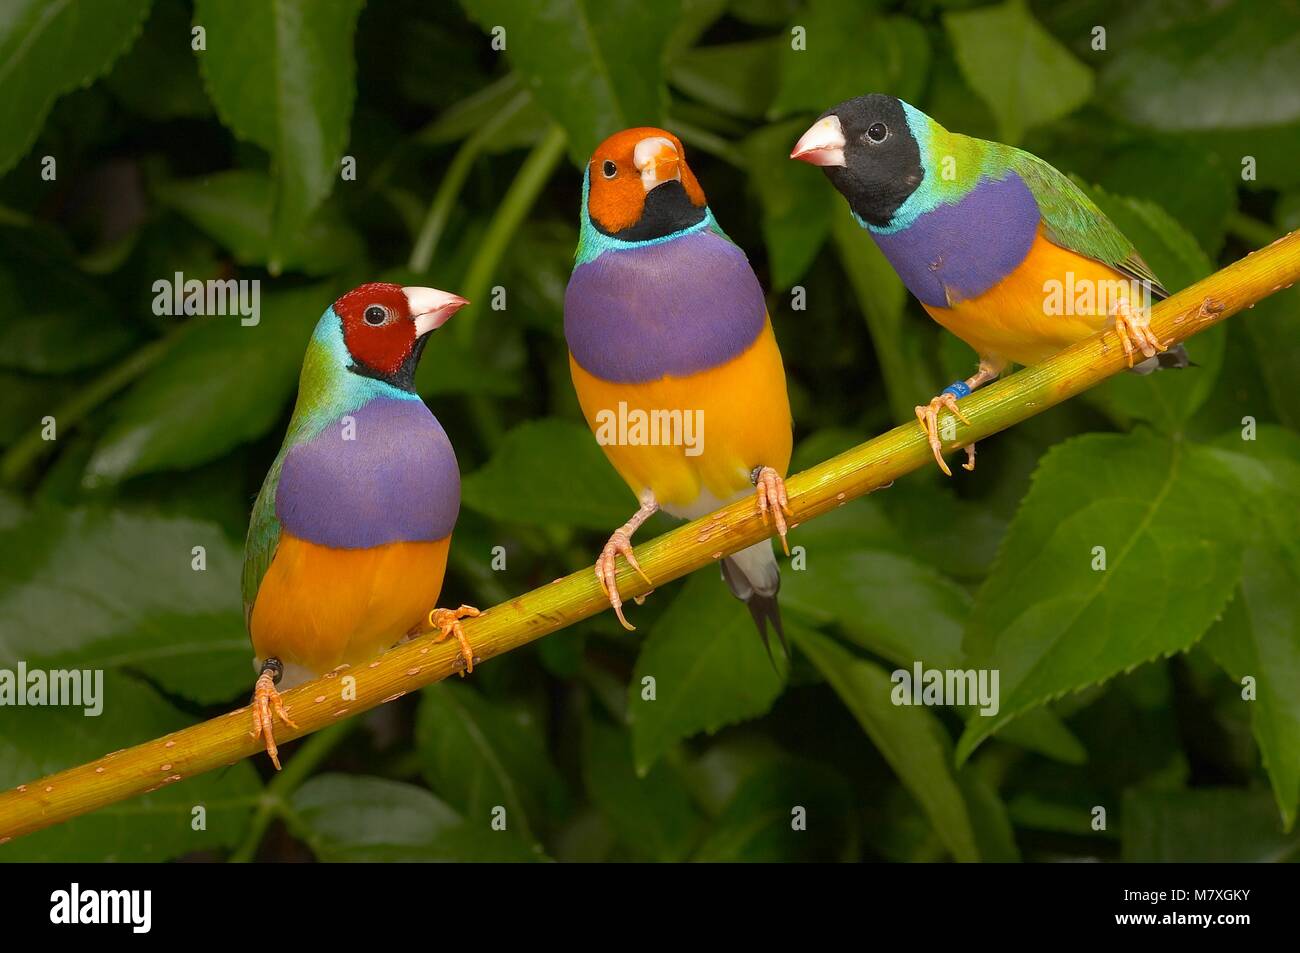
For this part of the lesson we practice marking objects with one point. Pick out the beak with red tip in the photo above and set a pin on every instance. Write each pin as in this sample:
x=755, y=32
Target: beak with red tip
x=430, y=308
x=657, y=160
x=822, y=144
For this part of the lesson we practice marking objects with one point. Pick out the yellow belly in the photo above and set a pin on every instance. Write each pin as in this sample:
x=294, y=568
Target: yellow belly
x=1052, y=300
x=743, y=415
x=319, y=607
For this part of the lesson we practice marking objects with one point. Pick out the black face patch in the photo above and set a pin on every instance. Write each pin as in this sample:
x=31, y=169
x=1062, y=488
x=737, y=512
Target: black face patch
x=404, y=378
x=667, y=209
x=882, y=161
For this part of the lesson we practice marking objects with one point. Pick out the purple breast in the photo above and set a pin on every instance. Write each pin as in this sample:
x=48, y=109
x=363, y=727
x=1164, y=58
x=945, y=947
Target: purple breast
x=678, y=307
x=385, y=473
x=959, y=251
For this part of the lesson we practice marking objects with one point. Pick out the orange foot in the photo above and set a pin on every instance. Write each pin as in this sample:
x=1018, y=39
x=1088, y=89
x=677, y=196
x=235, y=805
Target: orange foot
x=266, y=700
x=1134, y=325
x=928, y=415
x=447, y=622
x=770, y=489
x=620, y=543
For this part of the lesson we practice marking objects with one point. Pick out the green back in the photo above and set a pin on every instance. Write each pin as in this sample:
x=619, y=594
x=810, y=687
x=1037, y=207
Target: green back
x=1073, y=221
x=263, y=536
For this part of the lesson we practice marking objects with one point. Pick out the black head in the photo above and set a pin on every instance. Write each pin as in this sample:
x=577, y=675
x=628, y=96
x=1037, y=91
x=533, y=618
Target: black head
x=867, y=150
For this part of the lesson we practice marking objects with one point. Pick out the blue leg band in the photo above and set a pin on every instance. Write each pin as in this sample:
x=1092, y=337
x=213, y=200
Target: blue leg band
x=958, y=389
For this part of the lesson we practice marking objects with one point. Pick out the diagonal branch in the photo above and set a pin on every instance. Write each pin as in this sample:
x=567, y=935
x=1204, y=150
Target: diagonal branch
x=507, y=626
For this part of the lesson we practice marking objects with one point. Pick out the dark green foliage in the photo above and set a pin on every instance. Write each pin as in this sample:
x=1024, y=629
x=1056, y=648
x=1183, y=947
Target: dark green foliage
x=1164, y=688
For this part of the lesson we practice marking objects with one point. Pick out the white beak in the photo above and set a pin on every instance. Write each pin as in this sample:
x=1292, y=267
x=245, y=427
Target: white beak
x=822, y=144
x=430, y=308
x=657, y=160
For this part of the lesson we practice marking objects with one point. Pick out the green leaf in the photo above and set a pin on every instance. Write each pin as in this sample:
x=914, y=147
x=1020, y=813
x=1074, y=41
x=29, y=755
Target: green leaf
x=954, y=535
x=479, y=755
x=1024, y=74
x=862, y=573
x=850, y=51
x=27, y=400
x=763, y=12
x=1207, y=67
x=348, y=818
x=911, y=738
x=917, y=518
x=693, y=20
x=1270, y=328
x=466, y=116
x=735, y=78
x=234, y=208
x=757, y=825
x=107, y=589
x=1040, y=730
x=709, y=670
x=45, y=300
x=796, y=206
x=1286, y=214
x=1209, y=825
x=549, y=472
x=887, y=603
x=994, y=837
x=154, y=827
x=653, y=815
x=1196, y=187
x=102, y=589
x=595, y=65
x=1165, y=399
x=282, y=76
x=1259, y=634
x=221, y=385
x=1049, y=623
x=48, y=49
x=162, y=51
x=452, y=366
x=1267, y=152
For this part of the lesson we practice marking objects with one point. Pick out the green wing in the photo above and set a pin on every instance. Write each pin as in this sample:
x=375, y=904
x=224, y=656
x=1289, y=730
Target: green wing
x=1073, y=221
x=263, y=537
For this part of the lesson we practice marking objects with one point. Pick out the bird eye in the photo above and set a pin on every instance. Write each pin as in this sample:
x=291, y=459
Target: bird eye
x=877, y=132
x=375, y=315
x=610, y=169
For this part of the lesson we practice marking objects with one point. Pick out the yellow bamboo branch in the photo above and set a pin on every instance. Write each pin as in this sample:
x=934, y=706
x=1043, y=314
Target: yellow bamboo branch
x=414, y=664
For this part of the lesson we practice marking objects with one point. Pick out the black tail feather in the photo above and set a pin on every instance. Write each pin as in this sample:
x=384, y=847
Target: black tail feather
x=1173, y=359
x=763, y=608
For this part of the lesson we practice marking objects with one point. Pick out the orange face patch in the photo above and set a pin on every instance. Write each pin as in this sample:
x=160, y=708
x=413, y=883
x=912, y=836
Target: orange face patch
x=617, y=197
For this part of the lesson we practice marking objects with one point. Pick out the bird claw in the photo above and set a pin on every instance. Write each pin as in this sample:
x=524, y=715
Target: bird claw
x=1134, y=325
x=447, y=622
x=607, y=572
x=265, y=701
x=770, y=489
x=928, y=415
x=969, y=465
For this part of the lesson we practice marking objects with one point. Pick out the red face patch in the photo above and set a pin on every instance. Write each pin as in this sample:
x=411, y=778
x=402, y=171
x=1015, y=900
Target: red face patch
x=377, y=325
x=616, y=201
